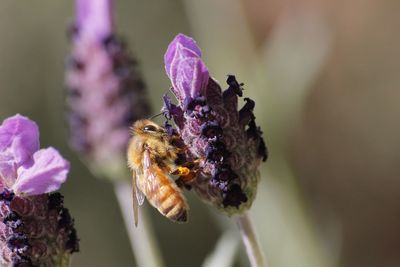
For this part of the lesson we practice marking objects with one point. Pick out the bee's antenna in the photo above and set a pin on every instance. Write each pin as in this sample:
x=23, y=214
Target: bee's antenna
x=155, y=116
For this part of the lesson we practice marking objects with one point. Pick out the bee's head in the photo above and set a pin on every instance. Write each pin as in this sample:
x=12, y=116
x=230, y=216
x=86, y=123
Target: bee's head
x=147, y=127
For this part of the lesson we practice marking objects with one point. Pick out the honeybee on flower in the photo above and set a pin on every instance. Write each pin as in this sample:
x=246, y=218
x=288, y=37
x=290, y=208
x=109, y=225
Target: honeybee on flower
x=154, y=155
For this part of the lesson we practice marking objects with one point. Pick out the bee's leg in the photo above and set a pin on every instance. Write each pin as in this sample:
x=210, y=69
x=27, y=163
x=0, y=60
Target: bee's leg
x=181, y=171
x=185, y=176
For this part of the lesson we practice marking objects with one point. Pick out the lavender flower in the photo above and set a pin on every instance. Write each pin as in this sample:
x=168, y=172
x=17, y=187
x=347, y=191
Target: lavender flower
x=35, y=228
x=106, y=94
x=226, y=142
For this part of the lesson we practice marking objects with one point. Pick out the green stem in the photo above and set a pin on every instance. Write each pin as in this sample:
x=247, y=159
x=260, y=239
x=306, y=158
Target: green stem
x=225, y=250
x=253, y=249
x=144, y=245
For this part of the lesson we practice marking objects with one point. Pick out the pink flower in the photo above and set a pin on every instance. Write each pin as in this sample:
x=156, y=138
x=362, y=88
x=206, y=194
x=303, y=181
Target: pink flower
x=24, y=168
x=35, y=228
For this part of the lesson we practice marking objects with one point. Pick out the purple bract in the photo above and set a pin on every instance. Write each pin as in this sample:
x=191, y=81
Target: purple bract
x=24, y=168
x=226, y=142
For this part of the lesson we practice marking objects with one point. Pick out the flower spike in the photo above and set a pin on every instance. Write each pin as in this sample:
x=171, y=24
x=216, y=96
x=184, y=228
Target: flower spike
x=106, y=93
x=225, y=141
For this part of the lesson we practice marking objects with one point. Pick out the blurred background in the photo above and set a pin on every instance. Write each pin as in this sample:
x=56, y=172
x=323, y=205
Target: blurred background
x=324, y=75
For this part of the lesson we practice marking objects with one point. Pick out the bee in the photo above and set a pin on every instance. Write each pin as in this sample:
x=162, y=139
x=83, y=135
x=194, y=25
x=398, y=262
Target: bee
x=152, y=157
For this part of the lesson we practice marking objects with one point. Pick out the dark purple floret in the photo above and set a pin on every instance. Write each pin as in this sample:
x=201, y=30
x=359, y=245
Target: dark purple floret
x=6, y=195
x=234, y=86
x=65, y=219
x=234, y=196
x=172, y=111
x=190, y=104
x=169, y=128
x=246, y=114
x=73, y=241
x=216, y=151
x=225, y=173
x=19, y=261
x=12, y=220
x=211, y=129
x=263, y=150
x=55, y=201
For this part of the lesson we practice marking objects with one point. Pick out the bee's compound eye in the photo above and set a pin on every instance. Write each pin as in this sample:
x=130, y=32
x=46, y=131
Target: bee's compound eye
x=149, y=128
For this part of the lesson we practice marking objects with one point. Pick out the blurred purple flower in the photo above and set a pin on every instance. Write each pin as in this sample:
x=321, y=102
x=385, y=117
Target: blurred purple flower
x=93, y=17
x=226, y=142
x=106, y=93
x=35, y=228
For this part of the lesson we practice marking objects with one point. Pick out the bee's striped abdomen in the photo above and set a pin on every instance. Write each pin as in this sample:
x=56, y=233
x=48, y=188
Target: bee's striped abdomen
x=168, y=199
x=174, y=205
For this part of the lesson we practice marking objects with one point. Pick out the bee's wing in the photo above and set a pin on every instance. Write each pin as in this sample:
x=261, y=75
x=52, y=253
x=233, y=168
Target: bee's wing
x=153, y=179
x=137, y=197
x=139, y=193
x=135, y=201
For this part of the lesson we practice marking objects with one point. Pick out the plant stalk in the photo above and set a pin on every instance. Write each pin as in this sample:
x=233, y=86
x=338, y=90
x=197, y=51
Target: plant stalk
x=253, y=249
x=143, y=242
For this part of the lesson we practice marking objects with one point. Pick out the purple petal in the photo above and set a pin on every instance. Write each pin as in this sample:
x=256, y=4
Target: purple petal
x=185, y=68
x=19, y=139
x=94, y=17
x=184, y=41
x=48, y=171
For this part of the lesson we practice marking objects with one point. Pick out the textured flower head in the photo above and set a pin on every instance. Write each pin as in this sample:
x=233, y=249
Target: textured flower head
x=226, y=142
x=35, y=228
x=106, y=93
